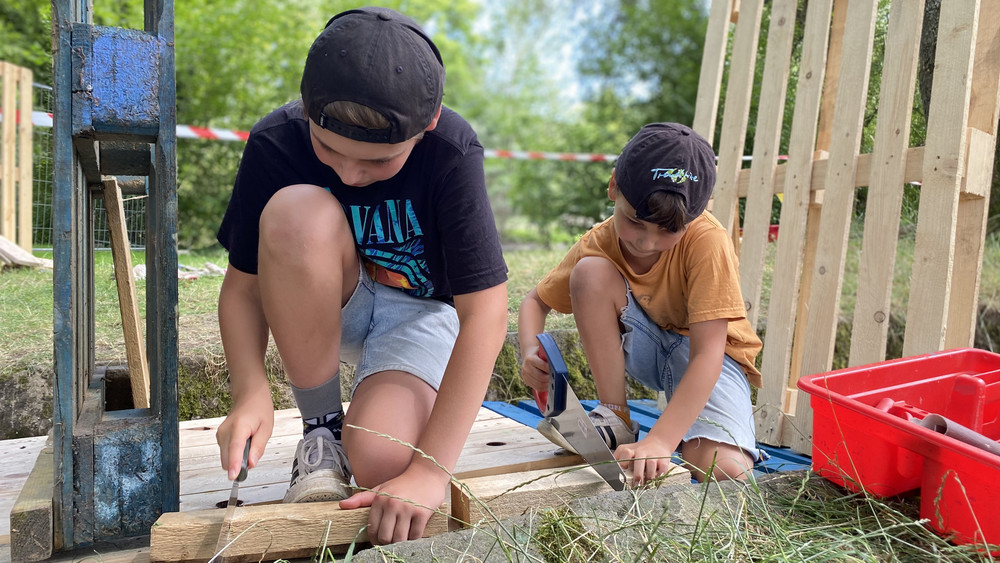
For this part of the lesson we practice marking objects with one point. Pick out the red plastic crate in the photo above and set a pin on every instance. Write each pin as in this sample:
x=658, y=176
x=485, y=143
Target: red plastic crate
x=864, y=435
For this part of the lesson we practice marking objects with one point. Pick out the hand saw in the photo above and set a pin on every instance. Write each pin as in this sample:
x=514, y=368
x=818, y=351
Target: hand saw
x=227, y=521
x=560, y=405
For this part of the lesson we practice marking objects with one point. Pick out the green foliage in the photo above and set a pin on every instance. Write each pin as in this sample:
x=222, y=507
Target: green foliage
x=642, y=60
x=636, y=63
x=25, y=26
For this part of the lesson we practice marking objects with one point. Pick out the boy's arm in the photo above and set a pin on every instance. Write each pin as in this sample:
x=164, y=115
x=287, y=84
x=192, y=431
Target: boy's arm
x=708, y=346
x=530, y=322
x=482, y=327
x=482, y=317
x=244, y=339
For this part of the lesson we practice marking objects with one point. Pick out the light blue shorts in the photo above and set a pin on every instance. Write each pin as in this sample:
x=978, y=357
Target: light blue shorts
x=384, y=329
x=658, y=358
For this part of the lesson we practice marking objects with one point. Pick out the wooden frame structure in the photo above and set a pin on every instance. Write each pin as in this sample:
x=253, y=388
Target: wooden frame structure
x=15, y=155
x=824, y=167
x=114, y=471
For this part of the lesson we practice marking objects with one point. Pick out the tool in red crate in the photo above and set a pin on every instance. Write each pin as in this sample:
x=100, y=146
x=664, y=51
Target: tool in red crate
x=939, y=424
x=566, y=414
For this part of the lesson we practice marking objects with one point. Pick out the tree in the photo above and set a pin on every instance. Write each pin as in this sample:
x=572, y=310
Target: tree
x=26, y=28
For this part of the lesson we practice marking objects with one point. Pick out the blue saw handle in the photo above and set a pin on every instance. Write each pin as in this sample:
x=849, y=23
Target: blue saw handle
x=555, y=398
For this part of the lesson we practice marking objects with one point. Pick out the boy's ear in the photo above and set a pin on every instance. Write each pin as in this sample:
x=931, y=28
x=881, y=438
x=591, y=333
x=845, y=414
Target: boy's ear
x=434, y=122
x=612, y=187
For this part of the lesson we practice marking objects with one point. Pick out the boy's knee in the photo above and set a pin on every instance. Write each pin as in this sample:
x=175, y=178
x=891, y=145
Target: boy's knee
x=725, y=461
x=594, y=274
x=379, y=462
x=302, y=215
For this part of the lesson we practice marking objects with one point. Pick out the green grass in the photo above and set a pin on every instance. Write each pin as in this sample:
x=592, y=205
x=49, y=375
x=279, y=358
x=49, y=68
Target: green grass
x=26, y=298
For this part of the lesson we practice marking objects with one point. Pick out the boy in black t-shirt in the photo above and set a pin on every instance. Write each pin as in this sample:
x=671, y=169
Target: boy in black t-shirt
x=359, y=230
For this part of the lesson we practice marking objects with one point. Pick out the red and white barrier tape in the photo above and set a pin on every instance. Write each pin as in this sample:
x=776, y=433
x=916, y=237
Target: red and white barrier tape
x=43, y=119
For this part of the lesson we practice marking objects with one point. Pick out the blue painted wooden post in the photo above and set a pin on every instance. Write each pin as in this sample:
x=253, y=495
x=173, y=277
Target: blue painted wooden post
x=115, y=472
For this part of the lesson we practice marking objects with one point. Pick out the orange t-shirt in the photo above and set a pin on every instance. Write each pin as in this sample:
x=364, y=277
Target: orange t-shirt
x=697, y=280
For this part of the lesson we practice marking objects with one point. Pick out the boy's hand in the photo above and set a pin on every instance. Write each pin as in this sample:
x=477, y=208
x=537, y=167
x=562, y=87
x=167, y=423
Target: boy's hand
x=649, y=458
x=254, y=416
x=400, y=507
x=535, y=368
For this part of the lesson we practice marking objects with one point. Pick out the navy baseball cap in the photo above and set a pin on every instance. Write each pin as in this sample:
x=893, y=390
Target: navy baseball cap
x=666, y=157
x=378, y=58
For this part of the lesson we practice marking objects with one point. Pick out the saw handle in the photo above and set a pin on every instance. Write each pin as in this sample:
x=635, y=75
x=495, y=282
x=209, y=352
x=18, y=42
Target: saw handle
x=553, y=401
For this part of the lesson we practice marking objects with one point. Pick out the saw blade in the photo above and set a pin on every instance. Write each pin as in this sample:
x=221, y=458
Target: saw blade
x=227, y=521
x=567, y=415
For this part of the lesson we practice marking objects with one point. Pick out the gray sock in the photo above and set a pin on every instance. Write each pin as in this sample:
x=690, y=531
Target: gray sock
x=320, y=405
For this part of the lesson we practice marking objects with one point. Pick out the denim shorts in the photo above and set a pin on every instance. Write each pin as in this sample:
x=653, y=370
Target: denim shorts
x=658, y=358
x=384, y=329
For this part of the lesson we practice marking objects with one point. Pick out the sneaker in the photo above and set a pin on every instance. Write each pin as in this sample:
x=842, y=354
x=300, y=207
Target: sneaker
x=320, y=471
x=608, y=424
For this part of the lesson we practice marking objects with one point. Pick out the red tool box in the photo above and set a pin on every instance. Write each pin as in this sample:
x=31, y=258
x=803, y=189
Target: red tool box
x=927, y=422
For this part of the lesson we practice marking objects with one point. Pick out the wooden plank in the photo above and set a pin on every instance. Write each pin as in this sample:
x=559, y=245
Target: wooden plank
x=797, y=185
x=984, y=108
x=713, y=61
x=885, y=192
x=970, y=241
x=494, y=444
x=493, y=498
x=828, y=272
x=823, y=137
x=268, y=532
x=128, y=300
x=770, y=111
x=934, y=252
x=984, y=101
x=24, y=163
x=832, y=75
x=11, y=253
x=31, y=516
x=8, y=151
x=912, y=171
x=736, y=114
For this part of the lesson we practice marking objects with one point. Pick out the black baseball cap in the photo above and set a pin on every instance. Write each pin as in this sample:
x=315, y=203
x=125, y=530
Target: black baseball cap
x=666, y=157
x=378, y=58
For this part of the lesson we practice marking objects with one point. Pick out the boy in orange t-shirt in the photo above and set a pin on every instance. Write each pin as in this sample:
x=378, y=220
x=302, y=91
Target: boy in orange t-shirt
x=655, y=294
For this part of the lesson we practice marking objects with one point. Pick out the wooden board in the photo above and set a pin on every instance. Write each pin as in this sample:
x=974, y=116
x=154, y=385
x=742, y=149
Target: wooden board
x=963, y=308
x=838, y=203
x=24, y=163
x=128, y=300
x=934, y=252
x=31, y=516
x=11, y=253
x=495, y=442
x=712, y=63
x=885, y=192
x=511, y=494
x=8, y=149
x=767, y=139
x=776, y=366
x=266, y=532
x=735, y=115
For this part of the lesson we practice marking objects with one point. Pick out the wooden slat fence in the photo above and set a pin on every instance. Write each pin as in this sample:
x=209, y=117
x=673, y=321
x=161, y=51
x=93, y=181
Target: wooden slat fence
x=825, y=165
x=15, y=154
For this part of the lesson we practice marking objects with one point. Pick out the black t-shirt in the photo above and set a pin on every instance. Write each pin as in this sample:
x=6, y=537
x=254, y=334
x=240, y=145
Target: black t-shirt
x=428, y=230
